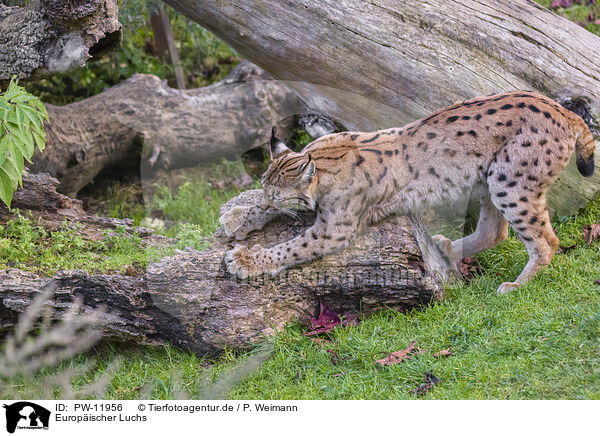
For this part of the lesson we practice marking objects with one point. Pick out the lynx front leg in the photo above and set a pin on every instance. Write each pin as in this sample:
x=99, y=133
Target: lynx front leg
x=241, y=220
x=323, y=238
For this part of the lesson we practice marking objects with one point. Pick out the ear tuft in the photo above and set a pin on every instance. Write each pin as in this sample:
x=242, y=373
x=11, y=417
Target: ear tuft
x=278, y=148
x=307, y=173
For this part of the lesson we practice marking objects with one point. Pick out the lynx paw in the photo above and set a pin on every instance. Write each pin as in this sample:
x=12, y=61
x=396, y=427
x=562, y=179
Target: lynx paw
x=507, y=287
x=445, y=245
x=234, y=223
x=240, y=261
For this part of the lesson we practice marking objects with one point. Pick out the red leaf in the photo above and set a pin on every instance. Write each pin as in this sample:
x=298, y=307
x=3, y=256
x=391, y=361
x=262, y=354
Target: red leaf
x=470, y=267
x=398, y=356
x=328, y=320
x=445, y=352
x=591, y=233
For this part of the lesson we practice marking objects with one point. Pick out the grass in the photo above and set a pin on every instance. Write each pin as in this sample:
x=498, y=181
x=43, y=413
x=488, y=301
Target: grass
x=27, y=246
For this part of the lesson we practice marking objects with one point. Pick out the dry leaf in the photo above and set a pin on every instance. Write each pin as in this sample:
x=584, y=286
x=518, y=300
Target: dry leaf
x=445, y=352
x=328, y=320
x=562, y=250
x=430, y=381
x=470, y=267
x=591, y=233
x=398, y=356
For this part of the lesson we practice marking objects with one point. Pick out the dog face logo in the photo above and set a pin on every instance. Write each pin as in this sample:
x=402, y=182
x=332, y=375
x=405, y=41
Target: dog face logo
x=26, y=415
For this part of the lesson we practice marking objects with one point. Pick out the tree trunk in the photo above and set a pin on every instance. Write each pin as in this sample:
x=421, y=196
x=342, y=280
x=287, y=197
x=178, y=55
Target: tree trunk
x=165, y=42
x=54, y=36
x=383, y=63
x=142, y=121
x=191, y=301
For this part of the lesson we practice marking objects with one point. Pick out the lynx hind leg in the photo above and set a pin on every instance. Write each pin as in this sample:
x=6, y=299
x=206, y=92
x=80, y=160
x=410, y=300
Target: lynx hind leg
x=521, y=198
x=491, y=229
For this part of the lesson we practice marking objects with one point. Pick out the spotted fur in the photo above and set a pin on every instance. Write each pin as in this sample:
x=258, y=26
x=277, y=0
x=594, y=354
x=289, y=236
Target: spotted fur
x=508, y=147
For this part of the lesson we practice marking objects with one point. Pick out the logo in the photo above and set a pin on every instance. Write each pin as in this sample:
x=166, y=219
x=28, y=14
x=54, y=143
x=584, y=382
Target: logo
x=26, y=415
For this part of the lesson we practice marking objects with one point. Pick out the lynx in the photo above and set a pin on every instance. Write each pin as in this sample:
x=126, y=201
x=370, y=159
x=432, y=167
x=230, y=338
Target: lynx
x=508, y=148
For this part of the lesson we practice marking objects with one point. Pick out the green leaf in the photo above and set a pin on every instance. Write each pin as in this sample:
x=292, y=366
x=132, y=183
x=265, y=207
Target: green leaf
x=10, y=116
x=11, y=170
x=34, y=116
x=40, y=106
x=23, y=98
x=7, y=187
x=13, y=92
x=21, y=140
x=20, y=116
x=4, y=143
x=40, y=139
x=16, y=157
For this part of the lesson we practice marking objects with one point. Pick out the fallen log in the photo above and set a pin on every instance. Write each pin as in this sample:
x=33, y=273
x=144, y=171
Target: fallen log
x=373, y=64
x=191, y=301
x=142, y=124
x=55, y=36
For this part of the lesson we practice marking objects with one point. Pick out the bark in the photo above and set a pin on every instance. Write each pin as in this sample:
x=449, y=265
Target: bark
x=191, y=301
x=54, y=36
x=143, y=124
x=384, y=63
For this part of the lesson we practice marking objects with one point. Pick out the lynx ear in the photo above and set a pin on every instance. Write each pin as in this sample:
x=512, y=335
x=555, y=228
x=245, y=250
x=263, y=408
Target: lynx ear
x=278, y=148
x=307, y=172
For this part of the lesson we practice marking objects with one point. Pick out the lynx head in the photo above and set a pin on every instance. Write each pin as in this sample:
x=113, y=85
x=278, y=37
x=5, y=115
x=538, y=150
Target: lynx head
x=290, y=181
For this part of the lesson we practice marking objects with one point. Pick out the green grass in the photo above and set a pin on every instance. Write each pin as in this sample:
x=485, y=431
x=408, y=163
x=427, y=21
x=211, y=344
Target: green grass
x=26, y=245
x=197, y=199
x=540, y=341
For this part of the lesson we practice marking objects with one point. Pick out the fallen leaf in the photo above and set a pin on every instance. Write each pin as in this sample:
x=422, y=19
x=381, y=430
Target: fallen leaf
x=562, y=250
x=445, y=352
x=561, y=4
x=337, y=374
x=470, y=267
x=328, y=320
x=430, y=381
x=398, y=356
x=591, y=233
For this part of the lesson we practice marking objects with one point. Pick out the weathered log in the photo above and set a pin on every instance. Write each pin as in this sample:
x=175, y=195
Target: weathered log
x=55, y=36
x=380, y=63
x=191, y=301
x=143, y=122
